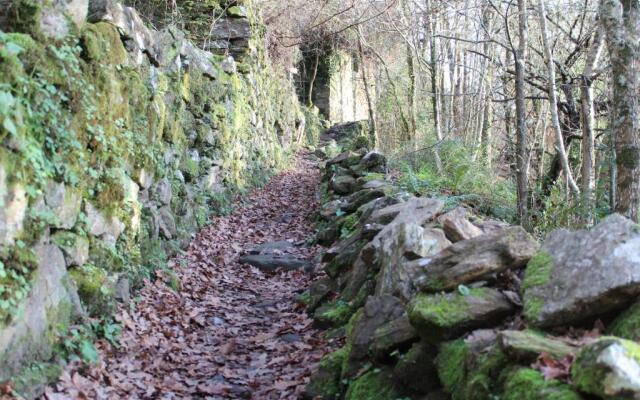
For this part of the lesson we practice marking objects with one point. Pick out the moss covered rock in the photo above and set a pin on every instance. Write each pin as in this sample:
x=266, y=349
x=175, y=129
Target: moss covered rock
x=529, y=384
x=440, y=317
x=374, y=385
x=608, y=368
x=326, y=383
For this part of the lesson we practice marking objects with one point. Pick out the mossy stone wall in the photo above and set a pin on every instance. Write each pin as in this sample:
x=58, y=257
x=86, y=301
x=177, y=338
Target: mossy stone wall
x=115, y=156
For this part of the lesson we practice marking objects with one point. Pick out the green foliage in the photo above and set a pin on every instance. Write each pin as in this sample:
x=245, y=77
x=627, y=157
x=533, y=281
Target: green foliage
x=16, y=267
x=463, y=179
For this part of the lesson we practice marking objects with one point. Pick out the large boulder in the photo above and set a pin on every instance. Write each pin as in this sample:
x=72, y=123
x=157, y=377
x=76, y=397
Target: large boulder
x=477, y=258
x=53, y=300
x=439, y=317
x=608, y=368
x=580, y=275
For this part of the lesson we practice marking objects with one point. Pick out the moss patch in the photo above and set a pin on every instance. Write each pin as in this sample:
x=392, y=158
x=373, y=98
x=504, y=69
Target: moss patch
x=627, y=324
x=538, y=271
x=529, y=384
x=374, y=385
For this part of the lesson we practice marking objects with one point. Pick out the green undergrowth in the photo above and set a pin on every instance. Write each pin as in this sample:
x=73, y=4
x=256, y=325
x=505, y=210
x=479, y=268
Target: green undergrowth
x=462, y=180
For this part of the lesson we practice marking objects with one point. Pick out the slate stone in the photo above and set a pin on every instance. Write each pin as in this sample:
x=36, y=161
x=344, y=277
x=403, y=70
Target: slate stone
x=273, y=262
x=578, y=276
x=457, y=227
x=439, y=317
x=475, y=259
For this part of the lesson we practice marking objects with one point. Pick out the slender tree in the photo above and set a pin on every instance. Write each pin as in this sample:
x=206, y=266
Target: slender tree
x=621, y=21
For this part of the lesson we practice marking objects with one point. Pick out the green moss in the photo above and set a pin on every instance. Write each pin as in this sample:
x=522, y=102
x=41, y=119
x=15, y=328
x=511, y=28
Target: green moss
x=529, y=384
x=538, y=271
x=334, y=314
x=374, y=385
x=95, y=289
x=483, y=373
x=592, y=376
x=450, y=364
x=373, y=176
x=31, y=380
x=326, y=382
x=627, y=324
x=441, y=310
x=532, y=307
x=102, y=43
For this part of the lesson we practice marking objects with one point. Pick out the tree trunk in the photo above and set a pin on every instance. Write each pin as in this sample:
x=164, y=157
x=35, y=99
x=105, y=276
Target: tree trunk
x=519, y=56
x=373, y=129
x=433, y=66
x=553, y=98
x=621, y=21
x=587, y=113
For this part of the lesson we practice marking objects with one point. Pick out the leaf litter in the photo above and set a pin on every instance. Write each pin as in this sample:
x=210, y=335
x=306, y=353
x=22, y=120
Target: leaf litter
x=231, y=331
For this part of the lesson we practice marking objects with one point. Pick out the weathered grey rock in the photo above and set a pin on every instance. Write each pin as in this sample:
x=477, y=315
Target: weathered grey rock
x=272, y=247
x=131, y=26
x=231, y=28
x=99, y=225
x=345, y=159
x=526, y=346
x=401, y=244
x=608, y=368
x=439, y=317
x=393, y=335
x=373, y=162
x=229, y=65
x=401, y=241
x=418, y=210
x=360, y=198
x=416, y=369
x=342, y=184
x=64, y=203
x=375, y=185
x=13, y=207
x=580, y=275
x=273, y=262
x=341, y=256
x=163, y=192
x=475, y=259
x=53, y=300
x=74, y=247
x=166, y=223
x=377, y=311
x=457, y=227
x=122, y=289
x=331, y=209
x=318, y=292
x=143, y=178
x=57, y=19
x=198, y=59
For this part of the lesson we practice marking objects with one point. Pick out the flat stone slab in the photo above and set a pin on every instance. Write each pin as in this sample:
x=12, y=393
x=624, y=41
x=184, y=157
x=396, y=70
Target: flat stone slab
x=269, y=262
x=578, y=276
x=474, y=259
x=440, y=317
x=272, y=247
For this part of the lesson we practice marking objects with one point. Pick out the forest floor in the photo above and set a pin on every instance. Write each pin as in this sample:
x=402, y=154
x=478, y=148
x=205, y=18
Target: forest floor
x=230, y=331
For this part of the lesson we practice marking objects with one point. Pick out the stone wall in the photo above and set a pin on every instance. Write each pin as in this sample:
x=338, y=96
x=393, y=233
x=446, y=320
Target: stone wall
x=117, y=143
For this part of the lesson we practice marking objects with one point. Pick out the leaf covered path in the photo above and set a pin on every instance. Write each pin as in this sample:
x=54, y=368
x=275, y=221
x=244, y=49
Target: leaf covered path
x=231, y=331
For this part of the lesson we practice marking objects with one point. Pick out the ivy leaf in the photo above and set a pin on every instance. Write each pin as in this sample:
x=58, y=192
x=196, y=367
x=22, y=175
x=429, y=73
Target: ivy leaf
x=464, y=290
x=88, y=352
x=340, y=213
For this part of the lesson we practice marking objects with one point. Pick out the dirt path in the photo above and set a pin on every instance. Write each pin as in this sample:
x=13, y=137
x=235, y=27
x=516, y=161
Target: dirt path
x=232, y=331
